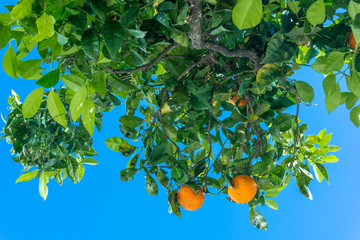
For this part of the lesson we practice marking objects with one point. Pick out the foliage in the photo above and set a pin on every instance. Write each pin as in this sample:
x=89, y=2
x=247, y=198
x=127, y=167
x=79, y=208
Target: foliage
x=176, y=64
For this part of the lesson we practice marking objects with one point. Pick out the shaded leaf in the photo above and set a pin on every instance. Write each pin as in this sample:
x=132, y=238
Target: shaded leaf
x=257, y=220
x=90, y=43
x=49, y=80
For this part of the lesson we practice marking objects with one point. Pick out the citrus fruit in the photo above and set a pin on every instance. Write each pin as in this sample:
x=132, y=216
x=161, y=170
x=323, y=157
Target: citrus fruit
x=188, y=199
x=351, y=40
x=242, y=102
x=234, y=98
x=244, y=190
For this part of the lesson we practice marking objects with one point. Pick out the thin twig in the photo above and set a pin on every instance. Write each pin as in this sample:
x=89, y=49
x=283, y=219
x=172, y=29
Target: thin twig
x=201, y=60
x=222, y=126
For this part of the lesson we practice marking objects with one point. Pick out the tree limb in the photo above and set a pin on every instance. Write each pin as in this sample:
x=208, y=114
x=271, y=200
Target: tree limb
x=195, y=35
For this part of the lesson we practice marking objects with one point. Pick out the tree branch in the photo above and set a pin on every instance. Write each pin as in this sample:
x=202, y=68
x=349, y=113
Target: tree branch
x=195, y=35
x=150, y=64
x=195, y=23
x=201, y=60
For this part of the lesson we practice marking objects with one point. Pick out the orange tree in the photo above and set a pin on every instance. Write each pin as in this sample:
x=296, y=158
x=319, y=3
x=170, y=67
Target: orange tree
x=176, y=65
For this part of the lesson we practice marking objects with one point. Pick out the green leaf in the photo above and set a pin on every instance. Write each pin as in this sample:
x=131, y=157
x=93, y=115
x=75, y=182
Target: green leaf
x=176, y=172
x=113, y=37
x=49, y=80
x=157, y=154
x=325, y=140
x=334, y=61
x=151, y=185
x=212, y=182
x=319, y=176
x=88, y=115
x=89, y=161
x=129, y=16
x=355, y=116
x=138, y=60
x=72, y=169
x=323, y=171
x=27, y=176
x=247, y=13
x=319, y=64
x=90, y=43
x=305, y=91
x=127, y=174
x=77, y=102
x=73, y=82
x=332, y=92
x=30, y=69
x=22, y=9
x=353, y=83
x=271, y=204
x=56, y=109
x=294, y=6
x=353, y=9
x=43, y=189
x=351, y=99
x=304, y=189
x=119, y=144
x=283, y=120
x=333, y=148
x=137, y=33
x=260, y=168
x=5, y=33
x=279, y=50
x=10, y=63
x=316, y=13
x=330, y=159
x=45, y=25
x=173, y=203
x=306, y=172
x=120, y=85
x=257, y=220
x=133, y=161
x=32, y=103
x=131, y=121
x=99, y=82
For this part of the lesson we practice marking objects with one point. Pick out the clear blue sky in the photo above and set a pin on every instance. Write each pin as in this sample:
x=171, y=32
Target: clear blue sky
x=103, y=207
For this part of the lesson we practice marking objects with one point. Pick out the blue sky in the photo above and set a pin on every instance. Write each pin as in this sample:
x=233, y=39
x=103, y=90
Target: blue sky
x=103, y=207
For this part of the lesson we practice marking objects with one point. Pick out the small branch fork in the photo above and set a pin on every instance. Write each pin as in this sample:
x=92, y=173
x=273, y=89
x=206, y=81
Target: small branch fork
x=158, y=114
x=195, y=35
x=255, y=126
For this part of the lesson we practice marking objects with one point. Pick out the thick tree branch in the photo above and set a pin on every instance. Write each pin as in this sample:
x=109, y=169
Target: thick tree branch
x=235, y=53
x=195, y=23
x=195, y=35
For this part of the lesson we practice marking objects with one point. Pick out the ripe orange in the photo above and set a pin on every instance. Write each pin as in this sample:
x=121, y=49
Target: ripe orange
x=188, y=199
x=351, y=40
x=242, y=102
x=234, y=98
x=244, y=190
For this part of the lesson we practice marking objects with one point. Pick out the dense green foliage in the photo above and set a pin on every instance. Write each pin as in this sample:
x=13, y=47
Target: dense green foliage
x=176, y=65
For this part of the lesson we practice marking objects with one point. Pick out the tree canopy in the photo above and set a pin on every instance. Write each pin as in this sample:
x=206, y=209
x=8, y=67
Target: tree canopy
x=194, y=75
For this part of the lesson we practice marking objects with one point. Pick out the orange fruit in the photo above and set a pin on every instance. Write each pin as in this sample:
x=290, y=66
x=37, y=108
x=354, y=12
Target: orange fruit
x=242, y=102
x=234, y=98
x=351, y=40
x=188, y=199
x=244, y=190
